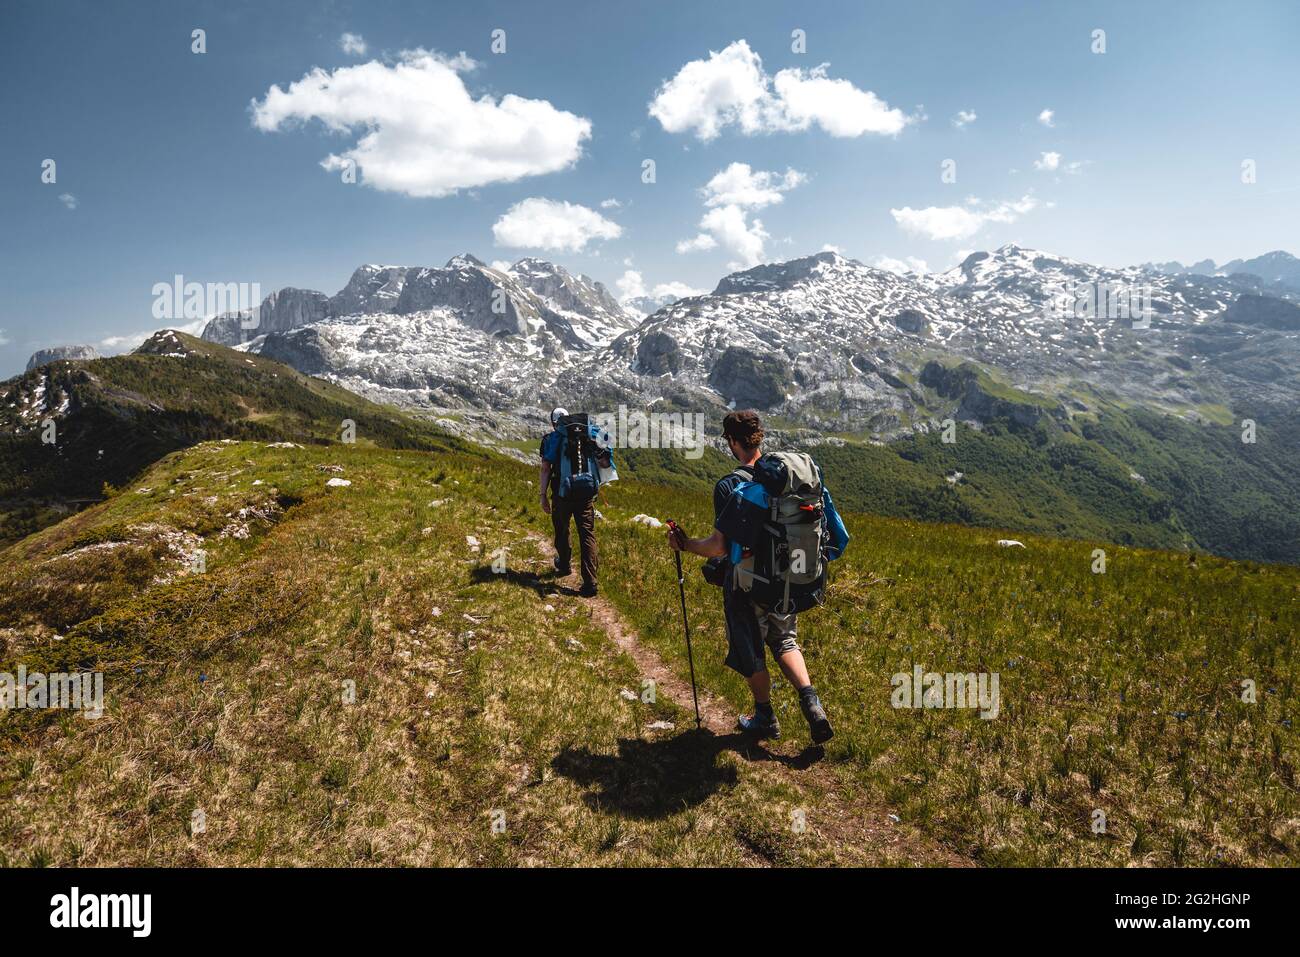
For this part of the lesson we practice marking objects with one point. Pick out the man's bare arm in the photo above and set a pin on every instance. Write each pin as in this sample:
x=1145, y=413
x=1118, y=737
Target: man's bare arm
x=544, y=483
x=715, y=546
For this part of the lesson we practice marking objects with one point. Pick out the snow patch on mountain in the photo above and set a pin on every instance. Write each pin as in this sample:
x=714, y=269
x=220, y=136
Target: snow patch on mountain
x=823, y=340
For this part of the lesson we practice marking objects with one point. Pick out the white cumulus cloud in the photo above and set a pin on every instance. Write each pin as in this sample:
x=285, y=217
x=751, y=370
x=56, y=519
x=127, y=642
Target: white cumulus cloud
x=68, y=200
x=964, y=118
x=537, y=223
x=1047, y=117
x=420, y=131
x=631, y=285
x=730, y=196
x=739, y=185
x=837, y=106
x=731, y=228
x=960, y=222
x=731, y=88
x=352, y=44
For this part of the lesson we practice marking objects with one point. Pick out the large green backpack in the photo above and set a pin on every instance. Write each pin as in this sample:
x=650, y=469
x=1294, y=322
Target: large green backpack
x=783, y=530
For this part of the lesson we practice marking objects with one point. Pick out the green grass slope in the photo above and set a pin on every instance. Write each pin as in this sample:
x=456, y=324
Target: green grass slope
x=1128, y=476
x=1121, y=691
x=478, y=697
x=1235, y=498
x=484, y=697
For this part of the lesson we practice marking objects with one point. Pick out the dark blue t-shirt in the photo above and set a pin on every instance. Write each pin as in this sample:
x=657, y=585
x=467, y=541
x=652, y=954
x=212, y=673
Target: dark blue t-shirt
x=722, y=492
x=549, y=450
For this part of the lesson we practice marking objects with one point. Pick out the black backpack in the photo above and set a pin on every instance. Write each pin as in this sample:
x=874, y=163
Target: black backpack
x=580, y=460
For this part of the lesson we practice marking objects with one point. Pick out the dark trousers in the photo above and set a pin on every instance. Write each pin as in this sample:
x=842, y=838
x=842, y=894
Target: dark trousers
x=585, y=516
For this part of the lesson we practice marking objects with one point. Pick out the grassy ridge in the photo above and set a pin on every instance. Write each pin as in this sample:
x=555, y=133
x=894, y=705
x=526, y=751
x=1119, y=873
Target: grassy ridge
x=126, y=412
x=1119, y=692
x=476, y=694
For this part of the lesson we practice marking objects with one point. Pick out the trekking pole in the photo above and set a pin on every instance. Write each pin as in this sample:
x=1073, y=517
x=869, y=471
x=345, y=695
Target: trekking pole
x=681, y=588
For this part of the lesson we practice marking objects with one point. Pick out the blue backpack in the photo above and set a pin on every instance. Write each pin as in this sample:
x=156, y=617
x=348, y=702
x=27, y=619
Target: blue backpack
x=584, y=451
x=783, y=529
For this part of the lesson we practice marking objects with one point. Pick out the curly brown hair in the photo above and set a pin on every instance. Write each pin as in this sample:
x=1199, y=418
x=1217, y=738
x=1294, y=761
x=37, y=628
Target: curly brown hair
x=744, y=427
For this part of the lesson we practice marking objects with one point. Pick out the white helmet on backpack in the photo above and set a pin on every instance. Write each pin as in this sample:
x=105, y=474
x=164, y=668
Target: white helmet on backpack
x=557, y=414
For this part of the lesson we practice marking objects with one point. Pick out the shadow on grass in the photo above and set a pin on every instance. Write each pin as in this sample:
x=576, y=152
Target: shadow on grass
x=546, y=584
x=653, y=779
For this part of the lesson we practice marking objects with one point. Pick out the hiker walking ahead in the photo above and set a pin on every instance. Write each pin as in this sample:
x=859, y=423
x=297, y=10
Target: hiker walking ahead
x=575, y=461
x=774, y=529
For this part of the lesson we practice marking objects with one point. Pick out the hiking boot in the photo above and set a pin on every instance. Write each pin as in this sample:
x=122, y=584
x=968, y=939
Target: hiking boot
x=561, y=570
x=818, y=723
x=759, y=727
x=588, y=590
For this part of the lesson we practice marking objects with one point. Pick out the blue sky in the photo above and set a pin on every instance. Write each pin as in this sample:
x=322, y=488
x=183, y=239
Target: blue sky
x=165, y=167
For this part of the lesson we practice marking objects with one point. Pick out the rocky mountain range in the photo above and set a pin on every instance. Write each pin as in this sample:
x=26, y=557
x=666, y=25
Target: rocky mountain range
x=822, y=342
x=1086, y=391
x=1275, y=267
x=464, y=334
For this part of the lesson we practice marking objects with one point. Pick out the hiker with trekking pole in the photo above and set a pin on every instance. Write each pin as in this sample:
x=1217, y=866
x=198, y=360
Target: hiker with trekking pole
x=576, y=461
x=775, y=529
